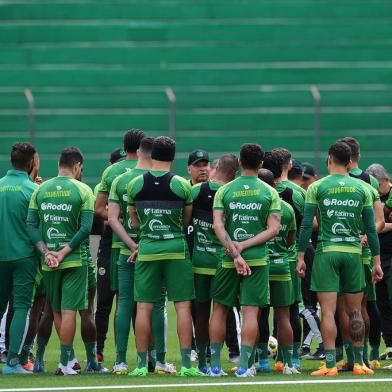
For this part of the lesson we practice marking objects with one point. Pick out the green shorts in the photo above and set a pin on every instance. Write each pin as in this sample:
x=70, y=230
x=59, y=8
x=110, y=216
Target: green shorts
x=18, y=277
x=92, y=275
x=114, y=255
x=281, y=293
x=370, y=289
x=175, y=275
x=338, y=272
x=203, y=287
x=296, y=282
x=67, y=288
x=252, y=290
x=39, y=286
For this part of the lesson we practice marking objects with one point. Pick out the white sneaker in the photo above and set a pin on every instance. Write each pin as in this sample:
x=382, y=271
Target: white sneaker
x=65, y=371
x=194, y=356
x=120, y=368
x=290, y=370
x=74, y=364
x=253, y=370
x=244, y=373
x=165, y=368
x=388, y=367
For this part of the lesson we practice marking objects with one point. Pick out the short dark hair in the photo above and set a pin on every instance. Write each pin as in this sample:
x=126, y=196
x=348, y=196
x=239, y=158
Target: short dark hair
x=228, y=163
x=296, y=170
x=22, y=154
x=354, y=146
x=70, y=156
x=146, y=145
x=285, y=155
x=132, y=139
x=267, y=176
x=163, y=149
x=340, y=153
x=273, y=161
x=251, y=156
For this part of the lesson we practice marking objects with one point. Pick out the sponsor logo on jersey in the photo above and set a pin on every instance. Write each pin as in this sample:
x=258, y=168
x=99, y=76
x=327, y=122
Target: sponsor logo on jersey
x=246, y=192
x=339, y=228
x=336, y=202
x=241, y=234
x=58, y=193
x=245, y=218
x=202, y=239
x=157, y=225
x=245, y=206
x=125, y=197
x=156, y=211
x=55, y=218
x=342, y=189
x=53, y=233
x=283, y=227
x=340, y=214
x=56, y=207
x=202, y=223
x=130, y=223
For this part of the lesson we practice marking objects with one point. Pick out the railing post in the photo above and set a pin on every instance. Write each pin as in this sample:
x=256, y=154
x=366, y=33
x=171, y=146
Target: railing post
x=317, y=131
x=30, y=100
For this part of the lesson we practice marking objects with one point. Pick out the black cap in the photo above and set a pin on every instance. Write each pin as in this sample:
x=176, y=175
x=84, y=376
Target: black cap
x=309, y=170
x=296, y=167
x=117, y=155
x=197, y=156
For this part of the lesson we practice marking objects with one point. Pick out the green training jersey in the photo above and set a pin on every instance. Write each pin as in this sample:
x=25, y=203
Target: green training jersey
x=207, y=249
x=247, y=203
x=278, y=250
x=340, y=200
x=59, y=203
x=108, y=176
x=373, y=180
x=159, y=198
x=118, y=194
x=293, y=185
x=16, y=189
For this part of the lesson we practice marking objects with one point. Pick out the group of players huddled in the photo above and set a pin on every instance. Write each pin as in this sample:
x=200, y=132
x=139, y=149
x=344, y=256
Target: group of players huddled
x=240, y=233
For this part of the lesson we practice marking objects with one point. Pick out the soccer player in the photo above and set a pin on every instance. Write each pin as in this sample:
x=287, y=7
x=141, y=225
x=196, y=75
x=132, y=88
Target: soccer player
x=343, y=207
x=161, y=206
x=18, y=259
x=60, y=218
x=309, y=175
x=207, y=248
x=199, y=166
x=296, y=172
x=246, y=216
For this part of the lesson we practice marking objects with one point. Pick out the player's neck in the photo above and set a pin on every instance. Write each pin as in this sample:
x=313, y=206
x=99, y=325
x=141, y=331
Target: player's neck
x=143, y=164
x=65, y=172
x=285, y=175
x=249, y=172
x=131, y=156
x=337, y=169
x=220, y=179
x=160, y=165
x=354, y=165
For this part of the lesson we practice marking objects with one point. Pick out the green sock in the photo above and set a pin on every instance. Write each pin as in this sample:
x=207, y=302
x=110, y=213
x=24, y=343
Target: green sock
x=41, y=347
x=186, y=357
x=161, y=357
x=141, y=359
x=91, y=354
x=201, y=354
x=252, y=357
x=348, y=346
x=152, y=355
x=65, y=353
x=374, y=352
x=72, y=354
x=296, y=350
x=12, y=359
x=321, y=346
x=358, y=354
x=121, y=356
x=262, y=351
x=216, y=349
x=287, y=353
x=366, y=351
x=245, y=354
x=339, y=353
x=330, y=358
x=24, y=355
x=279, y=356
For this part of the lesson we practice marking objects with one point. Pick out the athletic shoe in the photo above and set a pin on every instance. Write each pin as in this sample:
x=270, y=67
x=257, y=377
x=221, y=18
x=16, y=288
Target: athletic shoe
x=39, y=367
x=190, y=372
x=388, y=367
x=216, y=371
x=253, y=370
x=305, y=352
x=165, y=368
x=318, y=355
x=234, y=359
x=263, y=366
x=297, y=364
x=361, y=370
x=290, y=370
x=194, y=356
x=139, y=372
x=99, y=369
x=29, y=366
x=324, y=371
x=279, y=366
x=18, y=369
x=374, y=364
x=150, y=367
x=74, y=365
x=386, y=356
x=204, y=370
x=120, y=368
x=244, y=373
x=65, y=371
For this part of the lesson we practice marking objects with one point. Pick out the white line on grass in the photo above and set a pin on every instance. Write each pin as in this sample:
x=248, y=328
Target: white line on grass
x=207, y=384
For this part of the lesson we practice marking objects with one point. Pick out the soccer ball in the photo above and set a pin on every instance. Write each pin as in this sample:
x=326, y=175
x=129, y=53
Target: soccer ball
x=272, y=347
